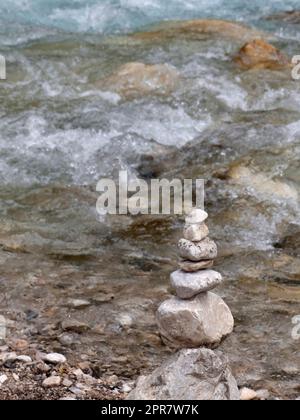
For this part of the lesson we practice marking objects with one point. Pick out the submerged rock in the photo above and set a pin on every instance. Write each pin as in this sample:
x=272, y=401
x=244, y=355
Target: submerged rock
x=199, y=374
x=138, y=79
x=258, y=54
x=202, y=321
x=261, y=183
x=292, y=16
x=199, y=29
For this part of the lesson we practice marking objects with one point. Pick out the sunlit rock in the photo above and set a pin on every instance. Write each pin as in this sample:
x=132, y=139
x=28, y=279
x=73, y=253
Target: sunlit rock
x=138, y=79
x=199, y=374
x=258, y=54
x=202, y=321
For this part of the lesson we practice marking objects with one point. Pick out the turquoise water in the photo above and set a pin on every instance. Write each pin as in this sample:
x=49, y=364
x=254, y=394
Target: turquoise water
x=20, y=18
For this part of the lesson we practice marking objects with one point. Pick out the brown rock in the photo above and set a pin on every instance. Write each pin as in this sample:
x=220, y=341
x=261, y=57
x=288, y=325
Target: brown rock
x=74, y=325
x=192, y=267
x=292, y=16
x=258, y=54
x=138, y=79
x=199, y=29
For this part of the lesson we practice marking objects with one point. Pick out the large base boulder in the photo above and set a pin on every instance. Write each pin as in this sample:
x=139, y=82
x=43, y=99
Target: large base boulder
x=198, y=374
x=258, y=54
x=202, y=321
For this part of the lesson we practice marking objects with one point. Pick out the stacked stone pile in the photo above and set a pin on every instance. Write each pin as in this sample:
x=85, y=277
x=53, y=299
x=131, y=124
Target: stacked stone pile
x=195, y=317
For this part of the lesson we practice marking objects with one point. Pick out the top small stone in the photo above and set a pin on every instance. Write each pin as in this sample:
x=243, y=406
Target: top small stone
x=196, y=216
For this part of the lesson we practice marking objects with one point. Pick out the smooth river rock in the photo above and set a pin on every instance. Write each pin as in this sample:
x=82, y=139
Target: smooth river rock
x=195, y=232
x=192, y=267
x=198, y=251
x=202, y=321
x=199, y=374
x=188, y=285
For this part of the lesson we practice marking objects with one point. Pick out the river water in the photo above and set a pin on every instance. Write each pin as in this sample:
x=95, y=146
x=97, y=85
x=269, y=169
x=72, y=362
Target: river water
x=60, y=134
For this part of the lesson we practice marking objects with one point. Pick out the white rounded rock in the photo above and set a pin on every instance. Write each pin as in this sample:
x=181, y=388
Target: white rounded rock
x=196, y=216
x=202, y=321
x=54, y=358
x=188, y=285
x=196, y=232
x=198, y=251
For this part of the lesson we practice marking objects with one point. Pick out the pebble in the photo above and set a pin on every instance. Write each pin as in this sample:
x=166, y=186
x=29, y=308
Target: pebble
x=78, y=303
x=263, y=394
x=192, y=267
x=54, y=358
x=248, y=394
x=3, y=379
x=188, y=285
x=19, y=345
x=196, y=233
x=196, y=216
x=52, y=382
x=67, y=383
x=16, y=377
x=74, y=325
x=66, y=339
x=8, y=357
x=24, y=359
x=126, y=388
x=198, y=251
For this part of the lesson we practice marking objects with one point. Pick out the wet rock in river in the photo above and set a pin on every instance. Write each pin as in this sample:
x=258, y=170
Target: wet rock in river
x=292, y=16
x=138, y=79
x=258, y=54
x=199, y=29
x=261, y=183
x=202, y=321
x=199, y=374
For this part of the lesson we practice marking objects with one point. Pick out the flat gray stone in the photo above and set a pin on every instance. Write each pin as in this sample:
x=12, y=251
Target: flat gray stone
x=188, y=285
x=192, y=267
x=198, y=251
x=199, y=374
x=196, y=232
x=202, y=321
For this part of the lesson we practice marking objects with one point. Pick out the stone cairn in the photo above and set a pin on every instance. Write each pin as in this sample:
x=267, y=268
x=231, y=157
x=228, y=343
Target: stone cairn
x=196, y=317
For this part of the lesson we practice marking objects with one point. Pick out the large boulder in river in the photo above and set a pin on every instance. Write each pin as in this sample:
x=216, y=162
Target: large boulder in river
x=202, y=321
x=199, y=374
x=199, y=29
x=138, y=79
x=259, y=54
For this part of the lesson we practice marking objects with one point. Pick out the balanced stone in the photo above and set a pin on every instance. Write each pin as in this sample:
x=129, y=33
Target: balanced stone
x=202, y=321
x=196, y=232
x=196, y=216
x=188, y=285
x=192, y=267
x=198, y=251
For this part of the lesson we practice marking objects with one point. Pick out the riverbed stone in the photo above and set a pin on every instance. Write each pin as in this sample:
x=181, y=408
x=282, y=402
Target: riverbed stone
x=258, y=54
x=198, y=251
x=54, y=358
x=139, y=79
x=188, y=285
x=75, y=326
x=192, y=267
x=193, y=374
x=52, y=382
x=202, y=321
x=195, y=232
